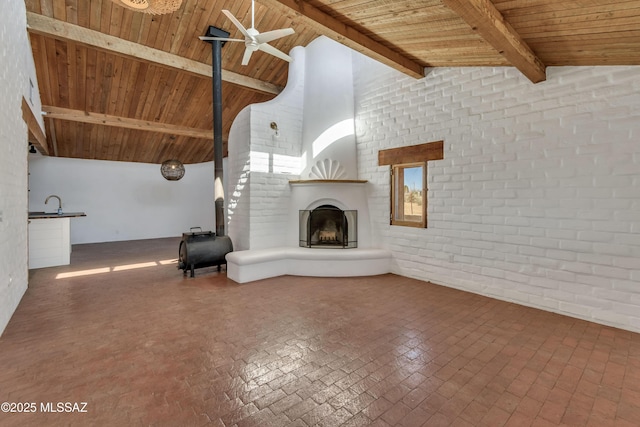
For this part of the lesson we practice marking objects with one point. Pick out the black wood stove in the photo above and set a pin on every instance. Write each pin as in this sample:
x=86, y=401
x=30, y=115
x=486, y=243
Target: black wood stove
x=199, y=249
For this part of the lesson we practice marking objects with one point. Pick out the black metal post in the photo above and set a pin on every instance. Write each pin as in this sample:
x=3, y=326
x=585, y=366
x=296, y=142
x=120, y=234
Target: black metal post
x=216, y=65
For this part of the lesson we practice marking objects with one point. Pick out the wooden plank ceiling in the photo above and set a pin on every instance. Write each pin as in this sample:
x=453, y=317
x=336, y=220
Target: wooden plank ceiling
x=127, y=86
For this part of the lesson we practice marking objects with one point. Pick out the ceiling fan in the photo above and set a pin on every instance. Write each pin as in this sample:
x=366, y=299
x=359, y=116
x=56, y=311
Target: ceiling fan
x=253, y=39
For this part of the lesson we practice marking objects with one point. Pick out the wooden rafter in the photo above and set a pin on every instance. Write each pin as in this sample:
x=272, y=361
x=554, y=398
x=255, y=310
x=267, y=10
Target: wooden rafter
x=123, y=122
x=349, y=36
x=52, y=135
x=483, y=17
x=36, y=135
x=60, y=30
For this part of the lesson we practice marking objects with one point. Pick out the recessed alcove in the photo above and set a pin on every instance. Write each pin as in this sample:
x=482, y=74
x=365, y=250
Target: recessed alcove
x=328, y=227
x=348, y=195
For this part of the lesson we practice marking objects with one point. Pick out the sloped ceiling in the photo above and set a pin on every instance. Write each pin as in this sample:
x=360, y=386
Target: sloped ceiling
x=127, y=86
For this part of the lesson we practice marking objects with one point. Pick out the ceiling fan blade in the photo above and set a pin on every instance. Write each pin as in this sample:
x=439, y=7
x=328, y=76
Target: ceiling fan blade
x=270, y=36
x=247, y=56
x=222, y=39
x=237, y=23
x=273, y=51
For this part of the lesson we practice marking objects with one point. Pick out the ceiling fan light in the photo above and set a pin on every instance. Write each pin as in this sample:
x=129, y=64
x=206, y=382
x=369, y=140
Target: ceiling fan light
x=155, y=7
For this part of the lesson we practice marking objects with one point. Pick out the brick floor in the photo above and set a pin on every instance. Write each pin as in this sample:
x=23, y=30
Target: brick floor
x=122, y=330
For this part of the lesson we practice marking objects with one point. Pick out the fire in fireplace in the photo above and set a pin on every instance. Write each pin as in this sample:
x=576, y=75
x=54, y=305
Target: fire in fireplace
x=328, y=226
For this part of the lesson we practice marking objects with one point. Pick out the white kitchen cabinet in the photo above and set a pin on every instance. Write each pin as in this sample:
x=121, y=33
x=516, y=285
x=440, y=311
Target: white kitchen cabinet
x=50, y=240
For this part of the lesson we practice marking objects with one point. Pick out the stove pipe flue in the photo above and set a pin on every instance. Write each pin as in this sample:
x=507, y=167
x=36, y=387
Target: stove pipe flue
x=216, y=64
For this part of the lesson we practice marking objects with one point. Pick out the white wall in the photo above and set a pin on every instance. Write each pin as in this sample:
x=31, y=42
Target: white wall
x=238, y=185
x=16, y=71
x=316, y=109
x=261, y=164
x=328, y=131
x=122, y=200
x=537, y=199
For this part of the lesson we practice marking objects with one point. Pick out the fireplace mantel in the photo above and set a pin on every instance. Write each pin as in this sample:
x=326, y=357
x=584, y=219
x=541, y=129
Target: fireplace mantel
x=326, y=181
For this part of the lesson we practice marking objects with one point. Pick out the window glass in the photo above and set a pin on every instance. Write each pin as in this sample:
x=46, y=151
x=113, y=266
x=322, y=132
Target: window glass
x=408, y=205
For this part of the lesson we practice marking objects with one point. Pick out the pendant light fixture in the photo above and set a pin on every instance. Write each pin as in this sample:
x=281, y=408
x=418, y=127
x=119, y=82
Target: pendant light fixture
x=154, y=7
x=172, y=170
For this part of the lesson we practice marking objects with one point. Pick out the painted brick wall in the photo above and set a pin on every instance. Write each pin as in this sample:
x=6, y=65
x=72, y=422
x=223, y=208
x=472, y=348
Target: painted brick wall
x=537, y=200
x=261, y=164
x=16, y=68
x=276, y=161
x=238, y=181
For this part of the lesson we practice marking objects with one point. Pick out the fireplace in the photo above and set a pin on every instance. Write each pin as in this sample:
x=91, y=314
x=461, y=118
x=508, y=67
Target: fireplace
x=328, y=226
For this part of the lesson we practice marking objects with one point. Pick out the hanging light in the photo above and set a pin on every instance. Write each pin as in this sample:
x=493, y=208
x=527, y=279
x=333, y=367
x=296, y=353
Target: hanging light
x=155, y=7
x=172, y=170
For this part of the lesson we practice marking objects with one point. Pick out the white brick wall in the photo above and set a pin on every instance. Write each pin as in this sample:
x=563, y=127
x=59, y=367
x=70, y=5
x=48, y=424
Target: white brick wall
x=261, y=165
x=537, y=200
x=238, y=181
x=278, y=161
x=16, y=68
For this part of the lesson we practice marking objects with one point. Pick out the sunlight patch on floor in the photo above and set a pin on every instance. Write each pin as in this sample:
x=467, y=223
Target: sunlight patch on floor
x=125, y=267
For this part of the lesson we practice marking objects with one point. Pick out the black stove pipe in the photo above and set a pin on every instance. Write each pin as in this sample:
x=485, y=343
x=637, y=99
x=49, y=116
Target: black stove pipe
x=216, y=64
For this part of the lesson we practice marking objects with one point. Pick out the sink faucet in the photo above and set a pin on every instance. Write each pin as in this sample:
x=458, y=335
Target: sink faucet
x=59, y=202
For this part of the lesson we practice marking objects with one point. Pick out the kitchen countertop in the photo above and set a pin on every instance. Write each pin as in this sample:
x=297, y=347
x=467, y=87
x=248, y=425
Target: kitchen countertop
x=41, y=215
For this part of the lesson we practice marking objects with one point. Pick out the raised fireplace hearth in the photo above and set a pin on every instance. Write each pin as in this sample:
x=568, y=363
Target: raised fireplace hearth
x=328, y=226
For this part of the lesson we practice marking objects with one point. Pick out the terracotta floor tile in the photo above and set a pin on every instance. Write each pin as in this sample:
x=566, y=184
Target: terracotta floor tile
x=529, y=407
x=474, y=412
x=269, y=399
x=454, y=408
x=415, y=397
x=262, y=418
x=552, y=411
x=518, y=419
x=538, y=392
x=416, y=418
x=358, y=420
x=439, y=420
x=495, y=417
x=629, y=412
x=508, y=402
x=379, y=423
x=459, y=422
x=518, y=388
x=336, y=418
x=148, y=346
x=376, y=408
x=317, y=414
x=396, y=413
x=397, y=393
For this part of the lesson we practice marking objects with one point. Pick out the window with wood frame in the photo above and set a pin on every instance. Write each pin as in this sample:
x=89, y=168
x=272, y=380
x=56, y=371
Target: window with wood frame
x=409, y=181
x=409, y=194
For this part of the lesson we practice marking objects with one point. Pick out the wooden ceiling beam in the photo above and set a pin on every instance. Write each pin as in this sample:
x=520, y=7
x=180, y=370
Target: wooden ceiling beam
x=348, y=36
x=52, y=134
x=483, y=17
x=60, y=30
x=123, y=122
x=36, y=135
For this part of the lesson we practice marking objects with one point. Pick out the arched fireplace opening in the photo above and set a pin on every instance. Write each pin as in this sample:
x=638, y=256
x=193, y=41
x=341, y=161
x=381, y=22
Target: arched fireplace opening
x=328, y=226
